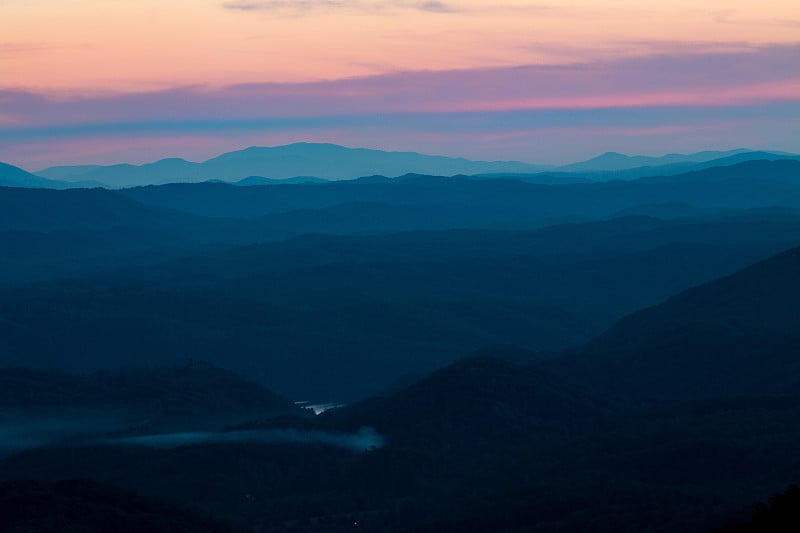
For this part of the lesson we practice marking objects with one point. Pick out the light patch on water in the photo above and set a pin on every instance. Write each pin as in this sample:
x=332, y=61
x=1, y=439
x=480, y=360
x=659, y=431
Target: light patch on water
x=319, y=408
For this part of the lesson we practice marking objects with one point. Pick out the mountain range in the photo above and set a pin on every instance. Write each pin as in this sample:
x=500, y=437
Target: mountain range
x=593, y=350
x=308, y=162
x=268, y=280
x=613, y=161
x=325, y=161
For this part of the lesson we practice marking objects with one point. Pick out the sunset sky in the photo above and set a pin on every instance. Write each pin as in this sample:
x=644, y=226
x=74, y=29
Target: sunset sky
x=107, y=81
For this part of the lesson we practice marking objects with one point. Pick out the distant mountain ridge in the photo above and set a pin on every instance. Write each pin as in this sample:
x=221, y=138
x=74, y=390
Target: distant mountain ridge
x=615, y=161
x=324, y=161
x=11, y=176
x=310, y=162
x=636, y=167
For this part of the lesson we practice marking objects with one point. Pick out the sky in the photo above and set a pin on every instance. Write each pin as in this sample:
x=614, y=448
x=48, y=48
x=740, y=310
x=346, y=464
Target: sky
x=110, y=81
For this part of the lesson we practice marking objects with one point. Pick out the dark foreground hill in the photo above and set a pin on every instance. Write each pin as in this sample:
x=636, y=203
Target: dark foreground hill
x=482, y=445
x=24, y=209
x=475, y=399
x=739, y=335
x=780, y=515
x=83, y=506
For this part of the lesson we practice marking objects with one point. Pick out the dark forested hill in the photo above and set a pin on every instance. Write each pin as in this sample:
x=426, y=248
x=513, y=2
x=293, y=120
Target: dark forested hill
x=341, y=317
x=673, y=420
x=479, y=445
x=84, y=506
x=781, y=514
x=479, y=398
x=735, y=336
x=46, y=209
x=57, y=233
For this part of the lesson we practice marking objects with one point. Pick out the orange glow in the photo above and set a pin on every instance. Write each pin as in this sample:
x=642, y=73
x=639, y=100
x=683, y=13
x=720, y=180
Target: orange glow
x=139, y=45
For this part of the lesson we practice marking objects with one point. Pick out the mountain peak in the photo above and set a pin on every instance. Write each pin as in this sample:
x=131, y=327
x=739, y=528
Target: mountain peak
x=610, y=155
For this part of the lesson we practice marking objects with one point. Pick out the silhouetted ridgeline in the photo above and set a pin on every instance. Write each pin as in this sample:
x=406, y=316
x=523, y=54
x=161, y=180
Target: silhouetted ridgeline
x=737, y=335
x=482, y=444
x=57, y=233
x=780, y=515
x=83, y=506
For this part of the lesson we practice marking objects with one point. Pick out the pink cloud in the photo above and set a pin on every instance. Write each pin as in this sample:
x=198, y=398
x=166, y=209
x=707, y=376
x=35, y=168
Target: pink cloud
x=712, y=98
x=714, y=78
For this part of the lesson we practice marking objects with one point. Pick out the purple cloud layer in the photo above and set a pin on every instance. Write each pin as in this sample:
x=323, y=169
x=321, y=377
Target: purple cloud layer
x=745, y=98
